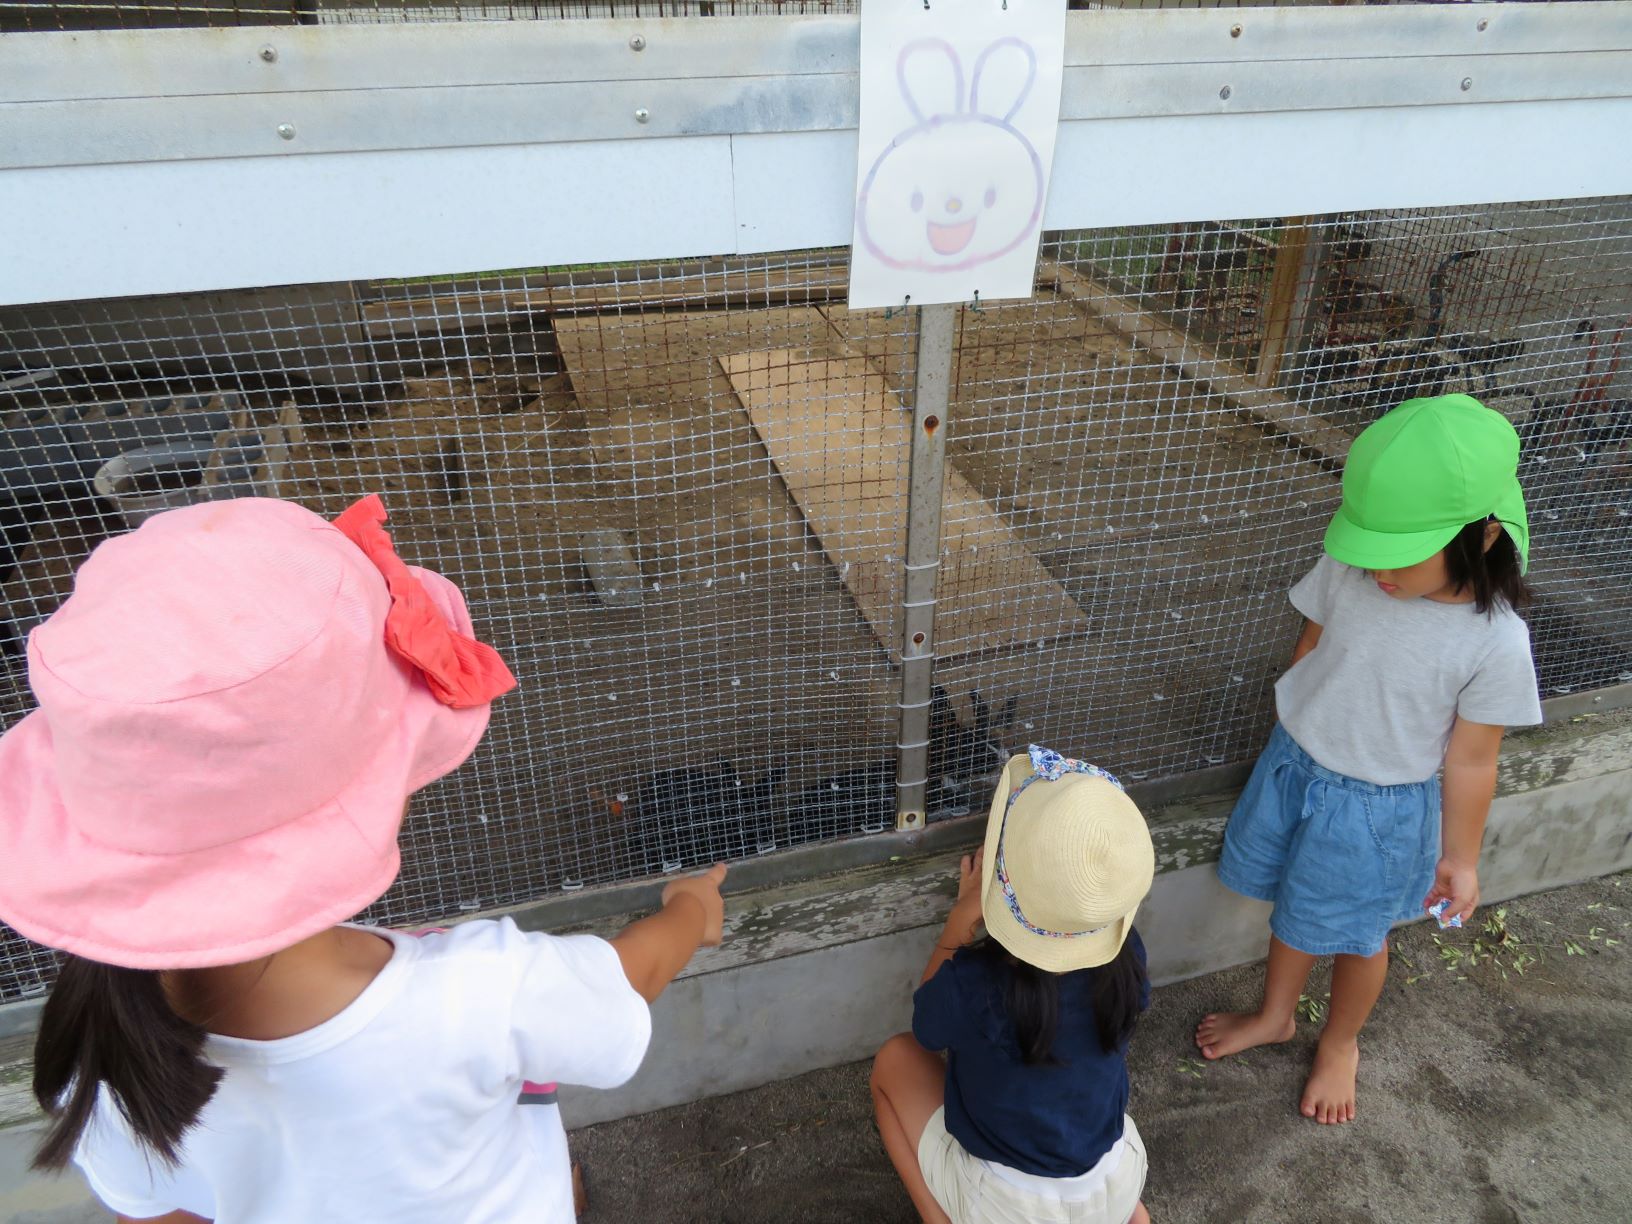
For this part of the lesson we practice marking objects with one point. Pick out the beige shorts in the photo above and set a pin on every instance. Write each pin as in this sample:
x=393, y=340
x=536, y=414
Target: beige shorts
x=972, y=1192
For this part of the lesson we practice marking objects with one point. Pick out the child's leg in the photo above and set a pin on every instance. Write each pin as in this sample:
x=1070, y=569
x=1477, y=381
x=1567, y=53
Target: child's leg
x=1139, y=1216
x=909, y=1085
x=1356, y=983
x=1222, y=1033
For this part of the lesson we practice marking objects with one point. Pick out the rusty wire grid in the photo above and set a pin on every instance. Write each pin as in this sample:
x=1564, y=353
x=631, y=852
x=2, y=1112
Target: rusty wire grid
x=39, y=15
x=674, y=497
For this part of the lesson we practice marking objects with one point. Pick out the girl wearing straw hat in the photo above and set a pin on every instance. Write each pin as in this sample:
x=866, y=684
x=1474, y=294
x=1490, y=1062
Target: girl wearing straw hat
x=235, y=704
x=1006, y=1104
x=1412, y=661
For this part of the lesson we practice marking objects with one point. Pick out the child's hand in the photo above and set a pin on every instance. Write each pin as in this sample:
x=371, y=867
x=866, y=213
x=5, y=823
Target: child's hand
x=969, y=877
x=657, y=947
x=963, y=923
x=965, y=916
x=1457, y=883
x=706, y=889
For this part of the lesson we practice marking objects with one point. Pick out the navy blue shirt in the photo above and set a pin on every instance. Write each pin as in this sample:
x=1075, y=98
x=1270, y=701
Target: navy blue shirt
x=1052, y=1120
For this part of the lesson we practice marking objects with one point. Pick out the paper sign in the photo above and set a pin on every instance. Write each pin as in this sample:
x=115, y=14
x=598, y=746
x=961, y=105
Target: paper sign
x=960, y=103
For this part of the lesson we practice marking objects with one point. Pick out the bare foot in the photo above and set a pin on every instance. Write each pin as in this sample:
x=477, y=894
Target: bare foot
x=1223, y=1033
x=1328, y=1097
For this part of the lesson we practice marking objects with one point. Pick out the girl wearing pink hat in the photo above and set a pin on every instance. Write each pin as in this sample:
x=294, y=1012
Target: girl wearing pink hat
x=234, y=706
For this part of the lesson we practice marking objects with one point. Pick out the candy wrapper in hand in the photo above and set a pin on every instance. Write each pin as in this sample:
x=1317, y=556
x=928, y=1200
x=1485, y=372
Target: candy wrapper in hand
x=1438, y=911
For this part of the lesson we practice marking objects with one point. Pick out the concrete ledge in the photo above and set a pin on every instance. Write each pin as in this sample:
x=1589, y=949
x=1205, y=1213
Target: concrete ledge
x=817, y=970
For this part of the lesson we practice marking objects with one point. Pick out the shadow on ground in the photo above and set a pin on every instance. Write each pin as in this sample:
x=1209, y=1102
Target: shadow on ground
x=1484, y=1100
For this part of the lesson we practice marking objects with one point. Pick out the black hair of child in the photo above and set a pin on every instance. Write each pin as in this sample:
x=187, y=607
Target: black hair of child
x=1031, y=997
x=106, y=1025
x=1492, y=575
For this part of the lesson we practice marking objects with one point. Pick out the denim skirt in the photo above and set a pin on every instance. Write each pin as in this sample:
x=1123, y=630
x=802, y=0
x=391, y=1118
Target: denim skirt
x=1342, y=860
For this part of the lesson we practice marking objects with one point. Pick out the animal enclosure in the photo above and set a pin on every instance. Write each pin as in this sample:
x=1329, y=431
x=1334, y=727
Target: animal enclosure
x=675, y=496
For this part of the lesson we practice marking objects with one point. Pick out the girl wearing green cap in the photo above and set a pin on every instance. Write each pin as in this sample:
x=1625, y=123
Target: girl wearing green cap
x=1369, y=804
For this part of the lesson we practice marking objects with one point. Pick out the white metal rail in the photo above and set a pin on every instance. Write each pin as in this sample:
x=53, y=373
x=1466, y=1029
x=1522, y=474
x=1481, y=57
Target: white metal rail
x=159, y=161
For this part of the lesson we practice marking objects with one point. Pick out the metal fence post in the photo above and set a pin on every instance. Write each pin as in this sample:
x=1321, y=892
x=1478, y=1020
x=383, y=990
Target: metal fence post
x=932, y=394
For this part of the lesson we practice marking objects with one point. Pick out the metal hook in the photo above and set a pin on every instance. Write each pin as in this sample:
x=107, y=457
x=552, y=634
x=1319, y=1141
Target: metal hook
x=891, y=311
x=975, y=306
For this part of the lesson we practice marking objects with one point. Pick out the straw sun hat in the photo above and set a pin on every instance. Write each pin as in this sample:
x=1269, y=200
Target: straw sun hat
x=1068, y=860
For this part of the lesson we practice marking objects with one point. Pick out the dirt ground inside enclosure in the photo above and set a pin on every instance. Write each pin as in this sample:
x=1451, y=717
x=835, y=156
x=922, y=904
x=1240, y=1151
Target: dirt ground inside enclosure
x=1136, y=491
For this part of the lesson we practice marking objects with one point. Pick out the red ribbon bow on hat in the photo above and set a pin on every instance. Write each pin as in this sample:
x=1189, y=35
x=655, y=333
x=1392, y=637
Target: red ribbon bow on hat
x=460, y=671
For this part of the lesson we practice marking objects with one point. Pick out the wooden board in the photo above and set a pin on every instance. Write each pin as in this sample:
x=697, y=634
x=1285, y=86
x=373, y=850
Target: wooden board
x=745, y=289
x=840, y=441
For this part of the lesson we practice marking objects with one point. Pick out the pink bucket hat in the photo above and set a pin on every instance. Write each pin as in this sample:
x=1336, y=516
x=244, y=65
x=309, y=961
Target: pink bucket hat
x=234, y=704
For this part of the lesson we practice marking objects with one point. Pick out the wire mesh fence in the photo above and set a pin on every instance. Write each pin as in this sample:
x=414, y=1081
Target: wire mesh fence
x=675, y=497
x=1319, y=324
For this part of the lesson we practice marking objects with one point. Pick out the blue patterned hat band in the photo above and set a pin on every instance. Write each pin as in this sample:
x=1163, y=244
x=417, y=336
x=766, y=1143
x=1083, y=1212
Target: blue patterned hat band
x=1051, y=766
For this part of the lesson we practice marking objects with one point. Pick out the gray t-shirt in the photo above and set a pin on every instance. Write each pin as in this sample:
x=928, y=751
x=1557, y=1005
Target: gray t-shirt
x=1377, y=698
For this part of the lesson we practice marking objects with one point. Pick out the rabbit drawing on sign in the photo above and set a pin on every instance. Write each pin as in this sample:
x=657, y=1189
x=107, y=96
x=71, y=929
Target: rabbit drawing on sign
x=961, y=186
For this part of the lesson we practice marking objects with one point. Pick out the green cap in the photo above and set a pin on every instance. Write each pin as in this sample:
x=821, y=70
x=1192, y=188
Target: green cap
x=1419, y=474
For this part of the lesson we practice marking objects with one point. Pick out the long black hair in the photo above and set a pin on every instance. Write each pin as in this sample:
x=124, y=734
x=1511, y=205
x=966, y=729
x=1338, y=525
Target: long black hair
x=1031, y=998
x=108, y=1026
x=1491, y=575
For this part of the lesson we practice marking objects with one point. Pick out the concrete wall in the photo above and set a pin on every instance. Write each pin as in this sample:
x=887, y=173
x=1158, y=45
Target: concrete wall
x=821, y=972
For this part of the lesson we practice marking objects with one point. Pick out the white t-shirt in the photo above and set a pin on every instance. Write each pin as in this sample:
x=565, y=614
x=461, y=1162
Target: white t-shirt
x=1377, y=697
x=404, y=1106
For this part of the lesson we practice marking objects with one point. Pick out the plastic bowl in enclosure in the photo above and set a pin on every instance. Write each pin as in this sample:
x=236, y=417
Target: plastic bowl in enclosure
x=152, y=479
